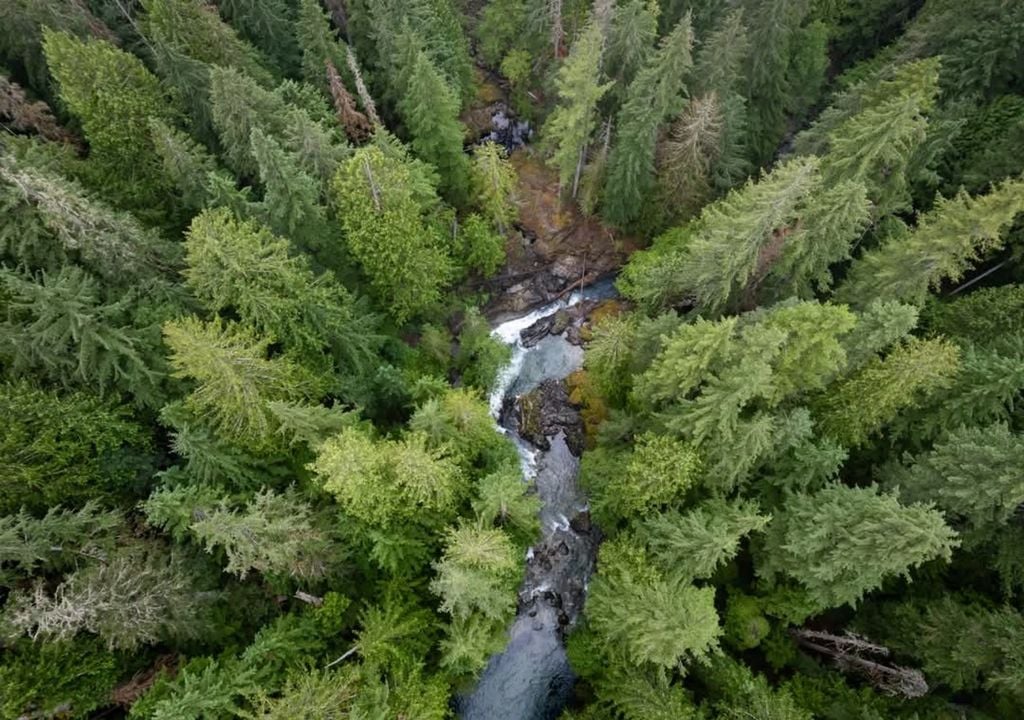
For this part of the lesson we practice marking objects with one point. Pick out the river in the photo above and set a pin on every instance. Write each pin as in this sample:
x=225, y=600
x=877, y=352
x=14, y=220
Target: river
x=531, y=679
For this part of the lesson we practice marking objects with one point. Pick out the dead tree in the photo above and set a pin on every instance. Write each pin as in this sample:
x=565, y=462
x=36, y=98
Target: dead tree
x=852, y=653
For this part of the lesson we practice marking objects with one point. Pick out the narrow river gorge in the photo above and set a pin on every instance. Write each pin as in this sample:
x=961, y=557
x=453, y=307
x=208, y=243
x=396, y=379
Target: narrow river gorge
x=531, y=679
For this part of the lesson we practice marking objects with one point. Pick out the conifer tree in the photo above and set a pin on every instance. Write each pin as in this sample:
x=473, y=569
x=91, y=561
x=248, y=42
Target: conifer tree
x=773, y=30
x=113, y=96
x=196, y=31
x=721, y=252
x=388, y=482
x=430, y=111
x=692, y=545
x=318, y=43
x=861, y=404
x=139, y=596
x=571, y=124
x=494, y=183
x=875, y=146
x=357, y=126
x=655, y=95
x=275, y=534
x=189, y=167
x=379, y=199
x=60, y=326
x=973, y=474
x=628, y=42
x=842, y=542
x=235, y=380
x=476, y=573
x=943, y=246
x=267, y=24
x=65, y=449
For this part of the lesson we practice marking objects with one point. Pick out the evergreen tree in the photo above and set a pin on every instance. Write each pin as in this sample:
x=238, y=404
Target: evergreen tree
x=862, y=403
x=61, y=328
x=842, y=542
x=571, y=124
x=494, y=184
x=387, y=482
x=973, y=474
x=773, y=30
x=275, y=534
x=655, y=95
x=234, y=378
x=381, y=207
x=267, y=24
x=430, y=111
x=631, y=37
x=943, y=246
x=113, y=96
x=195, y=30
x=477, y=574
x=139, y=596
x=692, y=545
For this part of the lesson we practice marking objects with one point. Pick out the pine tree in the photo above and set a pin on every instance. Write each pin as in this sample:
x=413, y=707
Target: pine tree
x=275, y=534
x=139, y=596
x=654, y=96
x=494, y=184
x=571, y=124
x=737, y=693
x=860, y=405
x=380, y=196
x=973, y=474
x=196, y=31
x=477, y=574
x=235, y=380
x=387, y=482
x=502, y=500
x=430, y=112
x=842, y=542
x=692, y=545
x=113, y=96
x=942, y=247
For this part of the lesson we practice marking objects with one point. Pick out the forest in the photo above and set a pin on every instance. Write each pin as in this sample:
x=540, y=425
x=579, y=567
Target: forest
x=255, y=455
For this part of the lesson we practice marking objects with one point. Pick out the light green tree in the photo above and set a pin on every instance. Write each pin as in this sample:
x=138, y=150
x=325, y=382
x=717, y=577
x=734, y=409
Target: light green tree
x=571, y=124
x=477, y=574
x=842, y=542
x=494, y=184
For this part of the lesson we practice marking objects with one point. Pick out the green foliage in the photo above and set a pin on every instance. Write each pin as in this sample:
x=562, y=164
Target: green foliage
x=430, y=112
x=477, y=574
x=383, y=482
x=494, y=182
x=234, y=378
x=482, y=249
x=695, y=543
x=862, y=403
x=654, y=96
x=504, y=500
x=842, y=542
x=113, y=96
x=71, y=679
x=382, y=211
x=571, y=124
x=649, y=618
x=65, y=448
x=946, y=242
x=739, y=694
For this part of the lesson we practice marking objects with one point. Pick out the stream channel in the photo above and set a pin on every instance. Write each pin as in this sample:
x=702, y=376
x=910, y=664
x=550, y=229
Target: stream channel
x=531, y=679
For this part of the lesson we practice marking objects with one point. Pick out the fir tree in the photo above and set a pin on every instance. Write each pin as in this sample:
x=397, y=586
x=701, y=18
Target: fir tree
x=235, y=380
x=842, y=542
x=477, y=573
x=381, y=213
x=571, y=124
x=430, y=111
x=113, y=96
x=631, y=37
x=267, y=24
x=654, y=96
x=494, y=183
x=943, y=246
x=861, y=404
